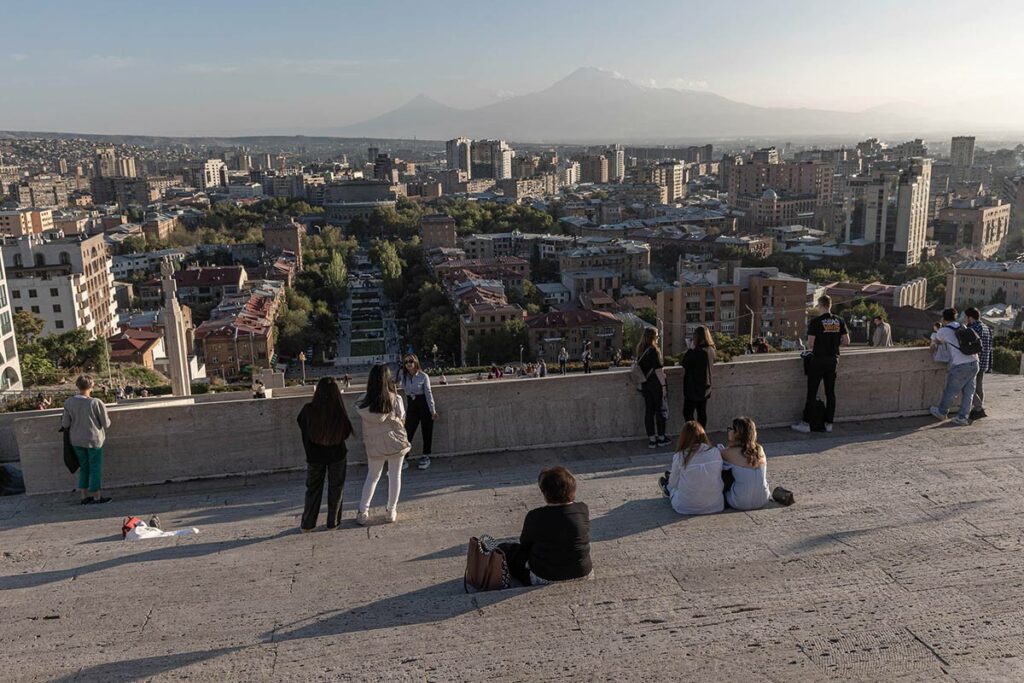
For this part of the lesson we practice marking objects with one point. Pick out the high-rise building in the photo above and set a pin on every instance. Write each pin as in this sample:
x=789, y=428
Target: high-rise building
x=384, y=168
x=371, y=154
x=284, y=238
x=616, y=155
x=670, y=174
x=911, y=148
x=961, y=152
x=125, y=167
x=458, y=153
x=41, y=191
x=105, y=162
x=593, y=169
x=66, y=281
x=208, y=174
x=491, y=159
x=696, y=300
x=21, y=222
x=888, y=218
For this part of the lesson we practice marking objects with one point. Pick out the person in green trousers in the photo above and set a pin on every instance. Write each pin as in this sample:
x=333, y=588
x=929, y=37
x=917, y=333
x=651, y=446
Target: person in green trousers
x=86, y=420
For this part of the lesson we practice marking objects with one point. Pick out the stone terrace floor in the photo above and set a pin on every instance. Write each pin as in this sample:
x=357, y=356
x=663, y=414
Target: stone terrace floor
x=903, y=560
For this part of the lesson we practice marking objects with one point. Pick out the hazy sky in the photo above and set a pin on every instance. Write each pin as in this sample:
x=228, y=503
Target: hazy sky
x=218, y=67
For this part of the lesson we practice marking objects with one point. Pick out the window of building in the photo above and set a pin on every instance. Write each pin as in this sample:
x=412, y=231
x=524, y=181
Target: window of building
x=18, y=262
x=18, y=308
x=53, y=291
x=65, y=258
x=3, y=296
x=35, y=309
x=59, y=324
x=40, y=260
x=9, y=348
x=15, y=293
x=32, y=294
x=56, y=308
x=5, y=323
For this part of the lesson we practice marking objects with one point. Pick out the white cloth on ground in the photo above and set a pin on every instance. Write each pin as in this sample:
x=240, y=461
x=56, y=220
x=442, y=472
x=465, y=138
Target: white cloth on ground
x=142, y=531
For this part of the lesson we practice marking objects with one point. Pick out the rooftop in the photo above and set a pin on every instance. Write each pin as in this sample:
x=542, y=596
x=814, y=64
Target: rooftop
x=900, y=561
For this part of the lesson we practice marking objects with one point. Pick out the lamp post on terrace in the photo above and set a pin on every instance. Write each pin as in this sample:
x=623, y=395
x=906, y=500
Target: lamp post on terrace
x=302, y=361
x=521, y=347
x=434, y=351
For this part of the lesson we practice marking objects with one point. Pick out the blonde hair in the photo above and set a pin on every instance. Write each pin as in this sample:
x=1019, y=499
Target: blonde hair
x=745, y=436
x=691, y=439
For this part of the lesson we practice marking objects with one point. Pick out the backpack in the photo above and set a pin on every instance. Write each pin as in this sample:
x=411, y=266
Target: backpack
x=486, y=566
x=817, y=416
x=968, y=341
x=636, y=373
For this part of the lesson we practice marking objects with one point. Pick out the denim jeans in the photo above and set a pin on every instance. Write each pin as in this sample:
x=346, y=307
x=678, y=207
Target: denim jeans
x=960, y=380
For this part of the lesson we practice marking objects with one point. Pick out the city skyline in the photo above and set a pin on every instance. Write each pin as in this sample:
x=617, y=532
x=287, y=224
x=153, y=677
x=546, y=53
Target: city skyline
x=199, y=70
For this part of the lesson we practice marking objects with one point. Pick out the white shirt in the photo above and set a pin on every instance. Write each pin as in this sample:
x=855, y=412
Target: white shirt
x=697, y=488
x=946, y=334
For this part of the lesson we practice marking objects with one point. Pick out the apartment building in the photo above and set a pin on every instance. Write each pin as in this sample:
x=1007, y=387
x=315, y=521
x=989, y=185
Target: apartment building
x=696, y=300
x=21, y=222
x=888, y=216
x=629, y=258
x=66, y=281
x=438, y=230
x=549, y=332
x=981, y=282
x=980, y=224
x=486, y=317
x=10, y=363
x=240, y=331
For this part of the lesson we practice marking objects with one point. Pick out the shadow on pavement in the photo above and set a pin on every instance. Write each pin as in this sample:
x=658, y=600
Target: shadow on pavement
x=157, y=554
x=143, y=668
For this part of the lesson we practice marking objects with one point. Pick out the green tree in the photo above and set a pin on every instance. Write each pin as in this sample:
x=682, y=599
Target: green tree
x=336, y=277
x=649, y=316
x=37, y=370
x=27, y=328
x=500, y=347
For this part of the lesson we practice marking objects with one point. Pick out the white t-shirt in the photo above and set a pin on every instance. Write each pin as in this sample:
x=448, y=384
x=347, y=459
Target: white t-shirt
x=947, y=335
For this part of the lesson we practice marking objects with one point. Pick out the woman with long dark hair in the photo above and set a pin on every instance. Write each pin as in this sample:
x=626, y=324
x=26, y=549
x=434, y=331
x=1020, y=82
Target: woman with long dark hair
x=383, y=417
x=421, y=409
x=650, y=362
x=325, y=426
x=697, y=363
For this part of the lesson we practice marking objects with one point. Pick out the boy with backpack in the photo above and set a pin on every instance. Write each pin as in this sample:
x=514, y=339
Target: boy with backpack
x=964, y=345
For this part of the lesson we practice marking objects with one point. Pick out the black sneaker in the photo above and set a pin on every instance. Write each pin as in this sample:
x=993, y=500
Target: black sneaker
x=87, y=501
x=663, y=483
x=98, y=501
x=663, y=441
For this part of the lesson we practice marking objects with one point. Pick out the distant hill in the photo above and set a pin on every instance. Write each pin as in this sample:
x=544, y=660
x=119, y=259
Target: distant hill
x=591, y=105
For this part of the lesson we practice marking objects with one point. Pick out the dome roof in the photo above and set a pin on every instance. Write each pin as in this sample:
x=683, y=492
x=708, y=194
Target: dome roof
x=770, y=194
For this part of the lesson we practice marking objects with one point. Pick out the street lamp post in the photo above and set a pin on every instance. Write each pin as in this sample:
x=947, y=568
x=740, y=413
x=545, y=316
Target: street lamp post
x=521, y=347
x=302, y=361
x=434, y=351
x=752, y=319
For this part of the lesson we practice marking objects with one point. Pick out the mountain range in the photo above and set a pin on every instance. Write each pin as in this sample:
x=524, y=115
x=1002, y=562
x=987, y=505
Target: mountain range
x=593, y=105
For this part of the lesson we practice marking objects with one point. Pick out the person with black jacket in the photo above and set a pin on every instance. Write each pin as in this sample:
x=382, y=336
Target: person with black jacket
x=697, y=363
x=325, y=426
x=555, y=543
x=651, y=362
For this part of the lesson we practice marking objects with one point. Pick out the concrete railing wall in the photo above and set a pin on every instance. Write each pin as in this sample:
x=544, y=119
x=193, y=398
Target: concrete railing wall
x=183, y=440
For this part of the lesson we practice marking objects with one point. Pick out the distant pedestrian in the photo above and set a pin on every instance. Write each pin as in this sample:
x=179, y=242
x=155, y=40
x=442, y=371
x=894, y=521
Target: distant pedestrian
x=882, y=336
x=421, y=409
x=563, y=361
x=258, y=390
x=324, y=425
x=542, y=368
x=85, y=418
x=650, y=362
x=587, y=357
x=617, y=358
x=963, y=367
x=144, y=393
x=983, y=331
x=347, y=380
x=383, y=418
x=697, y=363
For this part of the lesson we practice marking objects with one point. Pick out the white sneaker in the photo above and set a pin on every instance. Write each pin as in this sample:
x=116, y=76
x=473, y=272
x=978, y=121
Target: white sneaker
x=652, y=443
x=828, y=427
x=363, y=518
x=961, y=421
x=802, y=427
x=937, y=414
x=424, y=463
x=390, y=516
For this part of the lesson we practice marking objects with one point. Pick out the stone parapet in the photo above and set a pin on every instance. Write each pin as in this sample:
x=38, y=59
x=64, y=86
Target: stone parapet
x=188, y=439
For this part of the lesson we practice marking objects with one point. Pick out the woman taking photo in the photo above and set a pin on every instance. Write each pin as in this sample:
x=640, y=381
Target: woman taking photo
x=697, y=363
x=650, y=363
x=746, y=463
x=421, y=410
x=383, y=418
x=325, y=426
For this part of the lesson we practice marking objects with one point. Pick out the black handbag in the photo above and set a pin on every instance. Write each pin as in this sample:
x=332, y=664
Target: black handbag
x=70, y=457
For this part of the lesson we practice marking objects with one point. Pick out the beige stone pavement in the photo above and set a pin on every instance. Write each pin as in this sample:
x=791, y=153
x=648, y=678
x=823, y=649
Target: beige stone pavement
x=901, y=561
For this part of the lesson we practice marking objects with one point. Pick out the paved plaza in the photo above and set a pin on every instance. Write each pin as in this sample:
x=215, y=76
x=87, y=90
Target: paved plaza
x=901, y=561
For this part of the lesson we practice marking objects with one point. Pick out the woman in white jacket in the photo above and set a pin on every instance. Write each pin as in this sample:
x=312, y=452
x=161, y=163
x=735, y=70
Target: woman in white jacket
x=695, y=482
x=383, y=420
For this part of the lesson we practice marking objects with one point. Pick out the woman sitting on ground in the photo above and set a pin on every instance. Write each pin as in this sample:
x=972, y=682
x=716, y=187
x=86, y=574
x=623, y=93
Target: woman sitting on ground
x=745, y=461
x=555, y=543
x=695, y=482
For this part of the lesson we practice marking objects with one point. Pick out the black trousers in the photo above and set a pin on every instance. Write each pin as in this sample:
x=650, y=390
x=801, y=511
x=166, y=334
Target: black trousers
x=654, y=420
x=696, y=410
x=419, y=414
x=516, y=557
x=315, y=475
x=821, y=370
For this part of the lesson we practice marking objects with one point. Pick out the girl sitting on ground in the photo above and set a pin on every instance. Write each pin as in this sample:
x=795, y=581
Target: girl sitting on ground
x=695, y=482
x=745, y=461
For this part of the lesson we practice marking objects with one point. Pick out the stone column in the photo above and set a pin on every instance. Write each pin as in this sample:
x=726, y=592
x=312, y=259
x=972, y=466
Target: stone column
x=174, y=333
